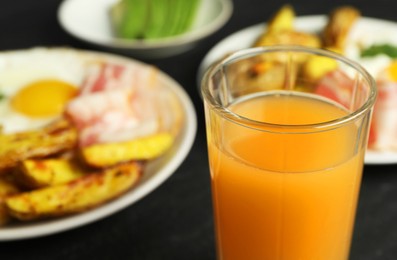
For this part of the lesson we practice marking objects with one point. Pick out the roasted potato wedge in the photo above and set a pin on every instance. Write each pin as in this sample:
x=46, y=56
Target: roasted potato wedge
x=257, y=75
x=282, y=20
x=317, y=66
x=280, y=31
x=47, y=172
x=7, y=188
x=78, y=195
x=145, y=148
x=54, y=138
x=339, y=24
x=290, y=38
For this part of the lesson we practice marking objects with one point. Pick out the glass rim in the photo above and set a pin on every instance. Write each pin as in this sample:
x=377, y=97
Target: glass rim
x=351, y=116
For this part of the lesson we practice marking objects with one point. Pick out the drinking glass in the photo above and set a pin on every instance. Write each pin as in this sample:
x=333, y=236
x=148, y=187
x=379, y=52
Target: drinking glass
x=287, y=130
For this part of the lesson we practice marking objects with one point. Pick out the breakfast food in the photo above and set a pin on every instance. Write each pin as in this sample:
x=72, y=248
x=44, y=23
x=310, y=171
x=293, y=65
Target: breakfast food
x=7, y=189
x=281, y=31
x=342, y=33
x=39, y=173
x=51, y=139
x=110, y=154
x=338, y=27
x=75, y=196
x=152, y=19
x=80, y=132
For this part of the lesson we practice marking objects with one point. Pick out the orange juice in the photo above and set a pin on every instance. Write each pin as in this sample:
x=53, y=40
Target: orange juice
x=284, y=193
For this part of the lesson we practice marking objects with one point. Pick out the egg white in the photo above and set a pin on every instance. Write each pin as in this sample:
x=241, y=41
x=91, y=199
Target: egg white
x=17, y=69
x=362, y=37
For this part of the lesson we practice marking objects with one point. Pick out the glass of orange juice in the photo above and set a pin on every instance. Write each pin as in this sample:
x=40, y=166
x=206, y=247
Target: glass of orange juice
x=287, y=129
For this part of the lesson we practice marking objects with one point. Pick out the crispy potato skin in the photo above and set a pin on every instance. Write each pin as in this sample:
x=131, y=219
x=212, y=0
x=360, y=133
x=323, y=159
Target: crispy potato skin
x=282, y=20
x=290, y=38
x=60, y=136
x=39, y=173
x=145, y=148
x=75, y=196
x=280, y=30
x=7, y=188
x=316, y=67
x=339, y=24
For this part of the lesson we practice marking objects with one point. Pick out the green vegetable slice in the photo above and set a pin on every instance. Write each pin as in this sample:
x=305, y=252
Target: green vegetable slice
x=172, y=18
x=188, y=11
x=152, y=19
x=133, y=21
x=158, y=10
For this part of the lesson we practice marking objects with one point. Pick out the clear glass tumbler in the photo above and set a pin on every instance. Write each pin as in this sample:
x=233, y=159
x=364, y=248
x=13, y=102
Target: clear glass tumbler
x=287, y=129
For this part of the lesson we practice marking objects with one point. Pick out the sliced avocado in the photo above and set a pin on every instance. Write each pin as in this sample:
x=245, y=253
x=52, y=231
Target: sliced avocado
x=171, y=13
x=178, y=14
x=189, y=11
x=152, y=19
x=182, y=14
x=157, y=18
x=133, y=18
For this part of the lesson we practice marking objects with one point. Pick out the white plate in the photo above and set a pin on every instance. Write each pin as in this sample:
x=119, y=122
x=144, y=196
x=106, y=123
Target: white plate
x=155, y=173
x=313, y=24
x=88, y=20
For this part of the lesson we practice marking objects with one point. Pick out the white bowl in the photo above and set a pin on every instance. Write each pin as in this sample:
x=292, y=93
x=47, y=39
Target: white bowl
x=88, y=20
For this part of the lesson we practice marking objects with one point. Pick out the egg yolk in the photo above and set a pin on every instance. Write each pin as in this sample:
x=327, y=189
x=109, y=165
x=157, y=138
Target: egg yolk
x=392, y=69
x=43, y=98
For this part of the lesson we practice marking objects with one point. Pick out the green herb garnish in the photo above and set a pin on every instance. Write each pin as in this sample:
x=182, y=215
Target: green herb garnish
x=377, y=49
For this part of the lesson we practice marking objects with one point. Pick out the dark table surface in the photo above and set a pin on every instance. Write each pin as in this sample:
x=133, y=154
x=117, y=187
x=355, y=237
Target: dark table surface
x=175, y=221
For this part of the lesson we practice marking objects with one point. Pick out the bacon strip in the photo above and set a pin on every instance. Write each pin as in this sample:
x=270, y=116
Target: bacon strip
x=337, y=86
x=114, y=104
x=384, y=120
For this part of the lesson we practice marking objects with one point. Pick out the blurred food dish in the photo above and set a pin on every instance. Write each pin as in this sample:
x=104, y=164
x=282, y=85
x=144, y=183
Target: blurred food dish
x=356, y=40
x=90, y=21
x=84, y=135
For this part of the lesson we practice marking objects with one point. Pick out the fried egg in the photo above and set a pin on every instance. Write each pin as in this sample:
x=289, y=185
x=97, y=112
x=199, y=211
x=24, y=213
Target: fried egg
x=35, y=86
x=362, y=37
